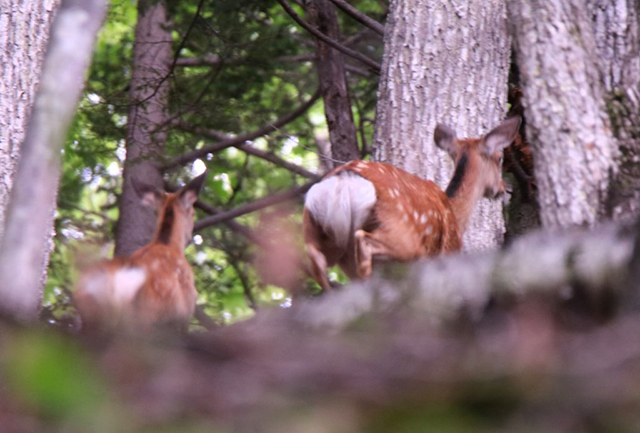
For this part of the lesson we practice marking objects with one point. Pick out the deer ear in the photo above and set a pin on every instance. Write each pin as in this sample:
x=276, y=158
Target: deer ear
x=149, y=195
x=502, y=135
x=189, y=193
x=445, y=139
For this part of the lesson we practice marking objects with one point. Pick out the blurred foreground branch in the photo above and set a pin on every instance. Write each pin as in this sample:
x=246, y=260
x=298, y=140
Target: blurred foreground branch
x=590, y=264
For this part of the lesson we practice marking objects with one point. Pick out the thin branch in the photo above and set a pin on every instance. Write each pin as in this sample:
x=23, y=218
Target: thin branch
x=240, y=139
x=233, y=225
x=262, y=203
x=250, y=150
x=359, y=16
x=278, y=161
x=338, y=46
x=208, y=60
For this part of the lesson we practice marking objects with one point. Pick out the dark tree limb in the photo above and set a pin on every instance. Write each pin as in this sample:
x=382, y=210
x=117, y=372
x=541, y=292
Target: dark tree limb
x=262, y=203
x=240, y=139
x=29, y=214
x=333, y=83
x=337, y=45
x=359, y=16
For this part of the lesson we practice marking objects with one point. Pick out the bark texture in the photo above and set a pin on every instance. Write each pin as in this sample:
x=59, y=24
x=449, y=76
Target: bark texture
x=28, y=217
x=333, y=84
x=149, y=90
x=616, y=27
x=444, y=62
x=567, y=123
x=24, y=32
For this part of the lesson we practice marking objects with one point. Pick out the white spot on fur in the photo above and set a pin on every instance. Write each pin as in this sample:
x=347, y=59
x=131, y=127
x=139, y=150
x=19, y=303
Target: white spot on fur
x=415, y=215
x=341, y=204
x=423, y=218
x=126, y=283
x=400, y=207
x=428, y=230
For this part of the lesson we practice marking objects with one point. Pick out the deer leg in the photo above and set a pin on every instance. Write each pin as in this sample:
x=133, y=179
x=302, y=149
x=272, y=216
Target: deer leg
x=318, y=266
x=367, y=246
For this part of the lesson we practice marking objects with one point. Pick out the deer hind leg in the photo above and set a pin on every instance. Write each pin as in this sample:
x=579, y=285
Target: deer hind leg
x=318, y=266
x=367, y=246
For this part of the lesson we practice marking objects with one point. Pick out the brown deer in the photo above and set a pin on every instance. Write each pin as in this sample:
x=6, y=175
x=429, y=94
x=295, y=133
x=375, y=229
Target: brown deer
x=155, y=285
x=365, y=210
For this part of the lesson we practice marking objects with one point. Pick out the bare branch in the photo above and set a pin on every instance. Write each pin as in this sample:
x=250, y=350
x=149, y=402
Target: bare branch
x=240, y=139
x=262, y=203
x=275, y=159
x=208, y=60
x=359, y=16
x=338, y=46
x=233, y=225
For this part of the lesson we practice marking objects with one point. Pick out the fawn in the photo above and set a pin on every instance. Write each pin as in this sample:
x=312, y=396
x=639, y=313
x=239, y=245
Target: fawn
x=364, y=210
x=155, y=285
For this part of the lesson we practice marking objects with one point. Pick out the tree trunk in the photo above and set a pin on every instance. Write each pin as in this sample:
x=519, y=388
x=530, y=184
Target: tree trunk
x=444, y=62
x=567, y=123
x=29, y=212
x=24, y=32
x=149, y=90
x=333, y=84
x=616, y=29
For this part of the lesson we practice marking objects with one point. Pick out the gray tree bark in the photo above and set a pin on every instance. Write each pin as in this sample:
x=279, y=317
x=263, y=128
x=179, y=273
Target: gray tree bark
x=28, y=216
x=617, y=36
x=567, y=123
x=149, y=90
x=24, y=32
x=444, y=62
x=333, y=84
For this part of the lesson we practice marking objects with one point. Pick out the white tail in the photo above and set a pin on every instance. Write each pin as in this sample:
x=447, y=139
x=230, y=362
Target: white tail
x=365, y=210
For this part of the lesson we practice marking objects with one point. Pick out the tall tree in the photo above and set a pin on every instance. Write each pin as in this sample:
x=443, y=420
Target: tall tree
x=564, y=99
x=617, y=39
x=444, y=62
x=333, y=84
x=148, y=90
x=28, y=216
x=24, y=33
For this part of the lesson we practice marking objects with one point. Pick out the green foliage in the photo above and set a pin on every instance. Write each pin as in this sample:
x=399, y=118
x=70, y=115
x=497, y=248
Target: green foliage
x=53, y=377
x=254, y=83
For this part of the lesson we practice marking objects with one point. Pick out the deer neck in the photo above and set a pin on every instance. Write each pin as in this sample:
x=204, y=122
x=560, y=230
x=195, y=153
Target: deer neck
x=170, y=229
x=464, y=190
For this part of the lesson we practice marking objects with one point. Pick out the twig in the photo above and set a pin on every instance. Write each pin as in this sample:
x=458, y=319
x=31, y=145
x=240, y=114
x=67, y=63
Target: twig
x=338, y=46
x=359, y=16
x=266, y=129
x=252, y=207
x=251, y=150
x=208, y=60
x=233, y=225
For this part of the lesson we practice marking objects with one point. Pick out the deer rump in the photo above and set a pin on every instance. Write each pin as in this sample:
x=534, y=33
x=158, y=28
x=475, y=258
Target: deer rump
x=341, y=204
